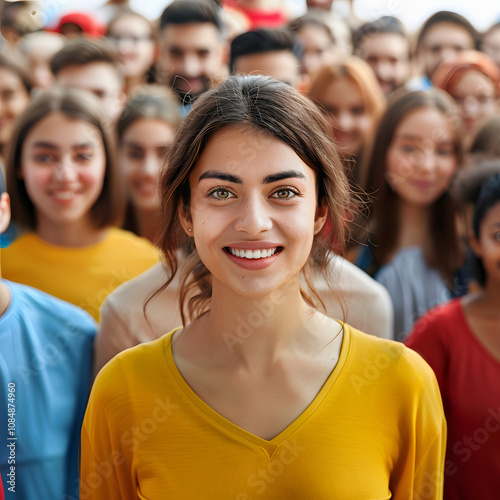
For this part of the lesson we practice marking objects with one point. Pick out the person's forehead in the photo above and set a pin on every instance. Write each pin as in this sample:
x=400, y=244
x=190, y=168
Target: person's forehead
x=227, y=150
x=386, y=42
x=62, y=131
x=190, y=35
x=314, y=33
x=93, y=76
x=447, y=32
x=266, y=62
x=128, y=23
x=9, y=79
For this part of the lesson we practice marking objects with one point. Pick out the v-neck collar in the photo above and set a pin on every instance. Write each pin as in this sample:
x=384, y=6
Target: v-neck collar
x=269, y=446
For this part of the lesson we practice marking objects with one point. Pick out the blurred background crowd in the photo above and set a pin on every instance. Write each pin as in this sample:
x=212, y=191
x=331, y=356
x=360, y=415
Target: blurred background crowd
x=90, y=102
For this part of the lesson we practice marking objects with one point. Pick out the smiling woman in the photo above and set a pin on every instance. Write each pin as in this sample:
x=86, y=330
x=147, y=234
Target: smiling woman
x=261, y=394
x=146, y=129
x=67, y=193
x=15, y=88
x=414, y=249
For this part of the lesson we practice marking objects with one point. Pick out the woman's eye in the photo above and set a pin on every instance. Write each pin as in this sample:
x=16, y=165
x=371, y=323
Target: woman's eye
x=221, y=194
x=135, y=155
x=444, y=151
x=45, y=158
x=358, y=111
x=408, y=149
x=497, y=236
x=82, y=157
x=284, y=194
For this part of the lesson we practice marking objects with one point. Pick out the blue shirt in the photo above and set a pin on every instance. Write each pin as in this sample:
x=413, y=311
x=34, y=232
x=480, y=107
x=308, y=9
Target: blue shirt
x=46, y=351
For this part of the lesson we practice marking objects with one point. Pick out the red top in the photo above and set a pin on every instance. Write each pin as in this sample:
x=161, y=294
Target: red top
x=469, y=379
x=260, y=18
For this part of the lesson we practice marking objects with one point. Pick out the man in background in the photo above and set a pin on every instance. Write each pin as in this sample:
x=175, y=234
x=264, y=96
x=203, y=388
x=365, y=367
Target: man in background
x=385, y=46
x=192, y=48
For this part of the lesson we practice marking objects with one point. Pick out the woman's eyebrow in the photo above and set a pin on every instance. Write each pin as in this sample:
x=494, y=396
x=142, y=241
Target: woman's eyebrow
x=287, y=174
x=49, y=145
x=43, y=144
x=213, y=174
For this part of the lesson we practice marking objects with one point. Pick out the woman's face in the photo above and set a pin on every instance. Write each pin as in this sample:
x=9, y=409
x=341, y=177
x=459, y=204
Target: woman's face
x=136, y=49
x=63, y=166
x=253, y=212
x=347, y=115
x=487, y=246
x=143, y=147
x=421, y=158
x=319, y=49
x=14, y=98
x=476, y=97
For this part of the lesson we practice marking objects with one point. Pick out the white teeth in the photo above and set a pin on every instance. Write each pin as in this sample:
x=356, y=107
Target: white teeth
x=253, y=254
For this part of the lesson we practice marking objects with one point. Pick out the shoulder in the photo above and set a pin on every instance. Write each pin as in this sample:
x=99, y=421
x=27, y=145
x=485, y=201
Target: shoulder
x=138, y=289
x=146, y=357
x=32, y=301
x=120, y=375
x=404, y=260
x=35, y=314
x=439, y=319
x=368, y=303
x=124, y=249
x=118, y=237
x=21, y=244
x=352, y=278
x=390, y=362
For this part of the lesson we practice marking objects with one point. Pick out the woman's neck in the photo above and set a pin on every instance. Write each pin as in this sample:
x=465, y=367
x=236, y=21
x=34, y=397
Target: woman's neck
x=74, y=234
x=414, y=225
x=149, y=225
x=485, y=302
x=256, y=331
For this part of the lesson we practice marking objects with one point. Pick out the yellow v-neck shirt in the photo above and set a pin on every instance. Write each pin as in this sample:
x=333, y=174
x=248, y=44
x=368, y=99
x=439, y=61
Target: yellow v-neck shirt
x=376, y=430
x=83, y=276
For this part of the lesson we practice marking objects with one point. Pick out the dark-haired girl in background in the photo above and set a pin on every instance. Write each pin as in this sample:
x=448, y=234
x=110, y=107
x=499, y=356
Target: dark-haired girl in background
x=414, y=248
x=461, y=342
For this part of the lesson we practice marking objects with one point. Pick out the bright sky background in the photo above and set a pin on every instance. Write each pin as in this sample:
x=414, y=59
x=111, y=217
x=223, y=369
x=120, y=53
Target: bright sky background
x=413, y=13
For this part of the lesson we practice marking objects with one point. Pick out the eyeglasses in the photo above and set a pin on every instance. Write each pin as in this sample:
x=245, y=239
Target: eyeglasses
x=131, y=39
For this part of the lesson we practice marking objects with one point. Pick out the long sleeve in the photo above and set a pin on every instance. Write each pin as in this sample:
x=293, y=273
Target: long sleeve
x=105, y=472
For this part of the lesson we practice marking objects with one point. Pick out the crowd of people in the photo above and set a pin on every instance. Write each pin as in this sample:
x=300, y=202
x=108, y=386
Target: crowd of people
x=245, y=255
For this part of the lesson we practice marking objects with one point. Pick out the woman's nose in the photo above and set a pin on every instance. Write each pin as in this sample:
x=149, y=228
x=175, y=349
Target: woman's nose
x=255, y=217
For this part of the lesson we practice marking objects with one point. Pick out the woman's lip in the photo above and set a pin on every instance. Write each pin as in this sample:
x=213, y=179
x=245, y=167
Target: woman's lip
x=145, y=187
x=423, y=184
x=253, y=264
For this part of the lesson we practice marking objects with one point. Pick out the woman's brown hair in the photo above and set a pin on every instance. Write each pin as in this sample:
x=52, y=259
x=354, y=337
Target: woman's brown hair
x=270, y=108
x=359, y=73
x=76, y=104
x=445, y=252
x=17, y=65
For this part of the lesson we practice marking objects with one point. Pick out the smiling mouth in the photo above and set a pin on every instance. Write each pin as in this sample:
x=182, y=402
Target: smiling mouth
x=63, y=195
x=253, y=254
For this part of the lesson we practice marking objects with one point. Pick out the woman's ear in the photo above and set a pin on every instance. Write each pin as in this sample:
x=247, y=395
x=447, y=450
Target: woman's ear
x=474, y=244
x=185, y=218
x=320, y=218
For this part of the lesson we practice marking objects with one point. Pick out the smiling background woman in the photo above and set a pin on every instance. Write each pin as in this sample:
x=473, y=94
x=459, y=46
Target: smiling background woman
x=15, y=88
x=67, y=195
x=281, y=408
